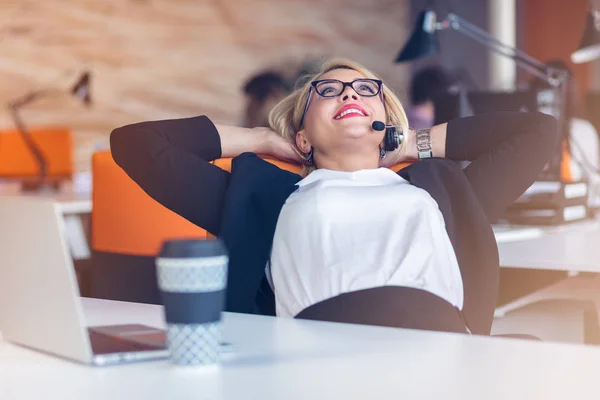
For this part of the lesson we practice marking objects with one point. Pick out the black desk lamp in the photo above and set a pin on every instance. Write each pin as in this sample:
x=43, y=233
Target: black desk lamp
x=424, y=42
x=81, y=91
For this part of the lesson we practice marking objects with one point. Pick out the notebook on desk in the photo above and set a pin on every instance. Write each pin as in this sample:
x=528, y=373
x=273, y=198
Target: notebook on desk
x=40, y=306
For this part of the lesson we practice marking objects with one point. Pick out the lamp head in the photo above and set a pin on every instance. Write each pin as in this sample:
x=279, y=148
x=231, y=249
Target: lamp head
x=423, y=41
x=589, y=47
x=81, y=89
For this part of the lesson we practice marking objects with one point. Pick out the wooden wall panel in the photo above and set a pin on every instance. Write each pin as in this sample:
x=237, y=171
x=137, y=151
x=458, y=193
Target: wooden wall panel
x=154, y=59
x=552, y=29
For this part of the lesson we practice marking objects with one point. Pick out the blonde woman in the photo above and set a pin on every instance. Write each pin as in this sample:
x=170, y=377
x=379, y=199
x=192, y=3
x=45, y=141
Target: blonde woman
x=348, y=240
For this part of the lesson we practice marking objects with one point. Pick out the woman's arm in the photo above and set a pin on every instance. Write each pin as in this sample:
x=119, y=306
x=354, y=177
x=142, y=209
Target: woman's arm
x=507, y=150
x=170, y=160
x=236, y=140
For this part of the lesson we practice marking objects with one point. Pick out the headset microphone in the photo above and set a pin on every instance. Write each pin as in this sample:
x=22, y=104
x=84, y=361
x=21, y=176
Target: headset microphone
x=393, y=135
x=378, y=125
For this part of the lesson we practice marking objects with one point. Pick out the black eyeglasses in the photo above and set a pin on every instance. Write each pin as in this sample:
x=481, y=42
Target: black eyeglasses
x=333, y=87
x=330, y=88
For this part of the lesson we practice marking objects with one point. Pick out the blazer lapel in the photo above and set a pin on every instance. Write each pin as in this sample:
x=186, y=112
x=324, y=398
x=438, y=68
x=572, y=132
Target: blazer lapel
x=257, y=192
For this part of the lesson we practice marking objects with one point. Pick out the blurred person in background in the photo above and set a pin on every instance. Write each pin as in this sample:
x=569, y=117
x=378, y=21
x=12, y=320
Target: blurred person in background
x=263, y=91
x=426, y=85
x=266, y=88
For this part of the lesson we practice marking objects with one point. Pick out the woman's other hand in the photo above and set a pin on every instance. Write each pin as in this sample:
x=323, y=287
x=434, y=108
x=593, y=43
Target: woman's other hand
x=391, y=158
x=400, y=154
x=408, y=152
x=237, y=140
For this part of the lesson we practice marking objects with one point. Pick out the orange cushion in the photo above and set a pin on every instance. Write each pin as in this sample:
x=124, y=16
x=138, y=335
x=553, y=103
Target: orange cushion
x=17, y=161
x=125, y=219
x=225, y=164
x=399, y=166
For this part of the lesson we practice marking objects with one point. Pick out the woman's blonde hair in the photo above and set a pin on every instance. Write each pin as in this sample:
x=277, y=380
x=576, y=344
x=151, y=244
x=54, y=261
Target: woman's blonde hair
x=285, y=117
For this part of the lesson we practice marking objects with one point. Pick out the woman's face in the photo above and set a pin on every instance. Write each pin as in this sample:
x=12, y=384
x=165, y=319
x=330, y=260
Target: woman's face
x=343, y=122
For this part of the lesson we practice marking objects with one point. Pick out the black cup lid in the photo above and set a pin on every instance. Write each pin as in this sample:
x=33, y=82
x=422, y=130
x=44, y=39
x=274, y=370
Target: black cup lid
x=192, y=248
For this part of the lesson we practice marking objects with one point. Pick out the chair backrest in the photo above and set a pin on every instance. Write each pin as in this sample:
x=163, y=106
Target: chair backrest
x=225, y=163
x=16, y=161
x=125, y=219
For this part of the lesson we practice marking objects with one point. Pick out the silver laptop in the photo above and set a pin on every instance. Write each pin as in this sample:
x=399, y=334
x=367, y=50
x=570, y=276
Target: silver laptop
x=40, y=305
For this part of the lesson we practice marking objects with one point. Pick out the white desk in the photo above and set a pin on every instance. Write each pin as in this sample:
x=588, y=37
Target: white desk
x=73, y=205
x=573, y=247
x=276, y=358
x=71, y=201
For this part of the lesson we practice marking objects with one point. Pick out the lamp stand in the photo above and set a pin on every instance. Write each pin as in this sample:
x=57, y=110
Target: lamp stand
x=40, y=183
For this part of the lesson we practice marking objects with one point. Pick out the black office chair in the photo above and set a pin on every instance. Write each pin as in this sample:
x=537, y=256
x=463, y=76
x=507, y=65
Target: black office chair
x=403, y=307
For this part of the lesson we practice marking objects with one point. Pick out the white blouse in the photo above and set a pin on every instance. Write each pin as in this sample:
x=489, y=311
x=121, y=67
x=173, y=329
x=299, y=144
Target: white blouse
x=346, y=231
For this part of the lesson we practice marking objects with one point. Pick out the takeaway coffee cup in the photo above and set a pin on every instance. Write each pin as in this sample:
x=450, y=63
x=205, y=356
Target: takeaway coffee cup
x=192, y=278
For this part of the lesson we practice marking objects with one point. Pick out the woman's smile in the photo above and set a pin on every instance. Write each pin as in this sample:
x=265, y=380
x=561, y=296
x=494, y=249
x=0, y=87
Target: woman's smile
x=349, y=111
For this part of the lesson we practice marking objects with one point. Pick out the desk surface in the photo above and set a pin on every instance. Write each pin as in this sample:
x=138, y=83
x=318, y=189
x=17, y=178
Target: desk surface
x=71, y=201
x=277, y=358
x=572, y=247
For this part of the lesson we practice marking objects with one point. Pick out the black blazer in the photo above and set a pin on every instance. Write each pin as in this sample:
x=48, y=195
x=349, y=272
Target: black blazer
x=170, y=161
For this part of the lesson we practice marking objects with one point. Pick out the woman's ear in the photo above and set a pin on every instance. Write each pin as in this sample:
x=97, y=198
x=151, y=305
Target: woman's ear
x=302, y=142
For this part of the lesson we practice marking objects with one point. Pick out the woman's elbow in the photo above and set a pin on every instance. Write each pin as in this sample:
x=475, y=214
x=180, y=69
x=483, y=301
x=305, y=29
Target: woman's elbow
x=120, y=145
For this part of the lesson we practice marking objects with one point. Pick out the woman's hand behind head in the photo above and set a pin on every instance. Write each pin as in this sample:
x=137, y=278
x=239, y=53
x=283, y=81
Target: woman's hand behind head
x=279, y=147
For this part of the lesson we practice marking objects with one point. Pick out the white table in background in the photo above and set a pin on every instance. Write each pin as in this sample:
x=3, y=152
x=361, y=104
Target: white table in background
x=277, y=358
x=73, y=204
x=572, y=248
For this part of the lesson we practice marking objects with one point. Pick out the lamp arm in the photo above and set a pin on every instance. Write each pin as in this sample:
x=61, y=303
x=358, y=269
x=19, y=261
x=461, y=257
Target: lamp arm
x=33, y=147
x=521, y=58
x=457, y=21
x=35, y=150
x=534, y=70
x=14, y=107
x=32, y=96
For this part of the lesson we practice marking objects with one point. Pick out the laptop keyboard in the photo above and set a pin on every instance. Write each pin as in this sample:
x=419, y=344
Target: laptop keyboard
x=105, y=343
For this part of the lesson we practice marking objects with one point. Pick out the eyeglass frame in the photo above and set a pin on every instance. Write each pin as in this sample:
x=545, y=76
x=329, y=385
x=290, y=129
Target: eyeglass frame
x=313, y=85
